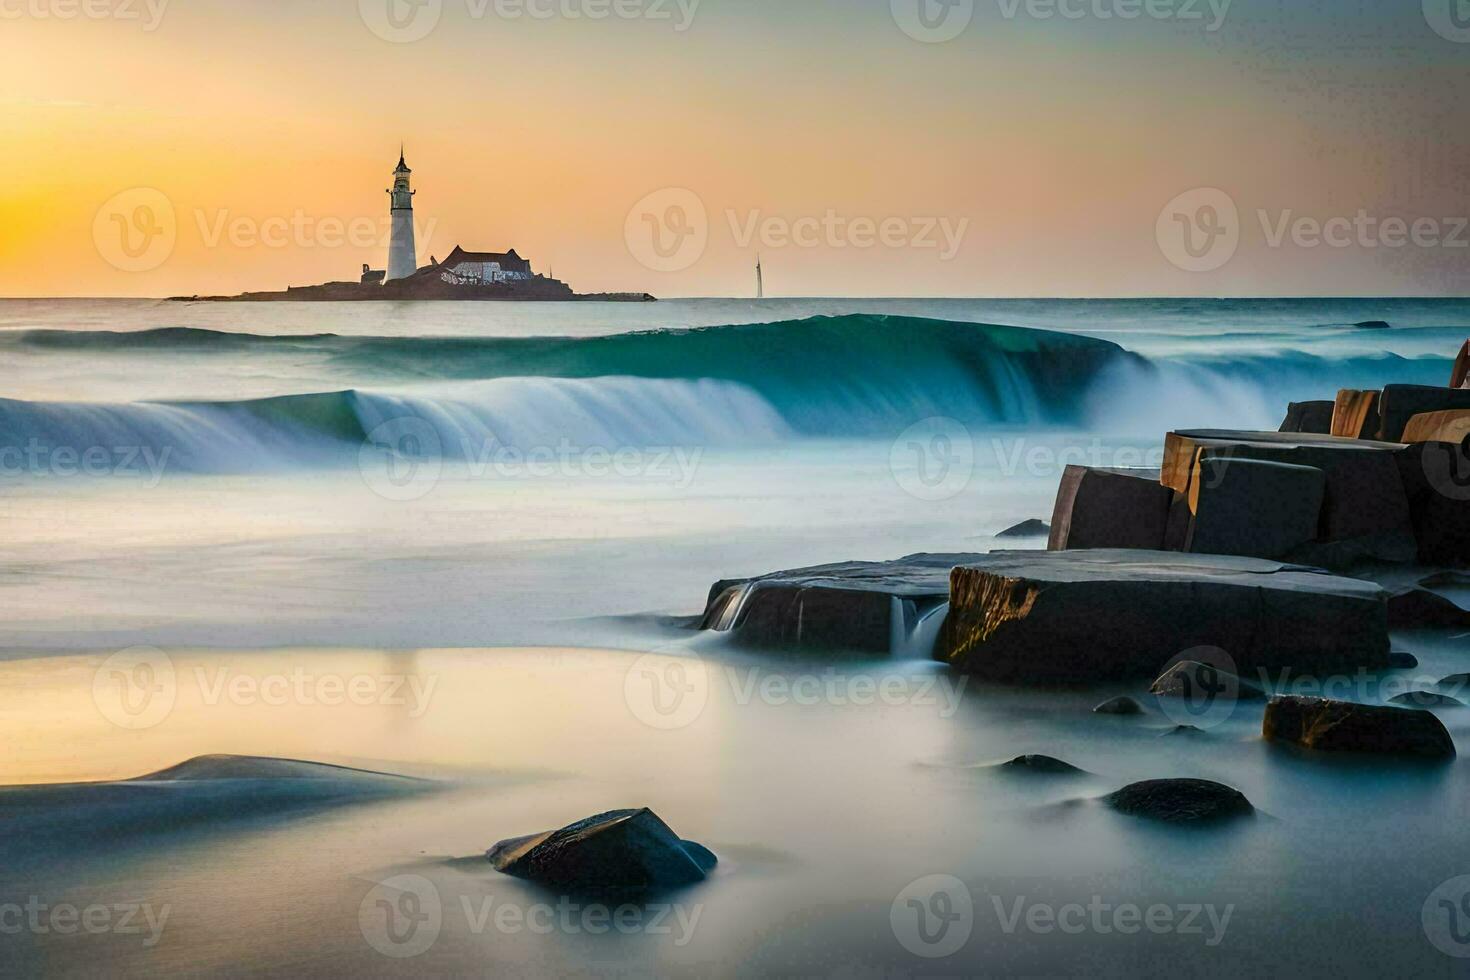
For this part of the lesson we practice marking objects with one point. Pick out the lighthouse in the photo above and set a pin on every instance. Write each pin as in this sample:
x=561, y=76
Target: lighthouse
x=402, y=255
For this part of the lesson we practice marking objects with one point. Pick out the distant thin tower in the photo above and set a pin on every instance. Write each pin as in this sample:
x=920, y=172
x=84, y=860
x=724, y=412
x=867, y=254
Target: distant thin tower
x=760, y=280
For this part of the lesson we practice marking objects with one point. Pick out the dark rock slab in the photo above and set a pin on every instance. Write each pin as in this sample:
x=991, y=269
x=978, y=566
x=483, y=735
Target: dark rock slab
x=1460, y=373
x=620, y=851
x=863, y=607
x=1426, y=699
x=1033, y=528
x=1044, y=764
x=1342, y=726
x=1119, y=706
x=1400, y=403
x=1399, y=660
x=1373, y=325
x=1086, y=616
x=1186, y=801
x=1191, y=679
x=1422, y=609
x=1109, y=508
x=1253, y=507
x=1309, y=417
x=1436, y=480
x=1365, y=499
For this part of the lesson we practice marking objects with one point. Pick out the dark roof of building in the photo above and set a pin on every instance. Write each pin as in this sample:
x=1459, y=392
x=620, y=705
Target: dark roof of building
x=402, y=167
x=506, y=259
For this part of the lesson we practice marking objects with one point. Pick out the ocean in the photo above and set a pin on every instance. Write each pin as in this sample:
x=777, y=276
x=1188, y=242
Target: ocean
x=508, y=508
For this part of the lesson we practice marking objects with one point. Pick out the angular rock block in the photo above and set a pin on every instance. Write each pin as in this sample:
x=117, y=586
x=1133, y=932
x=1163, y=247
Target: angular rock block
x=1452, y=426
x=1365, y=500
x=1436, y=480
x=1342, y=726
x=1253, y=508
x=1401, y=403
x=1421, y=609
x=1460, y=374
x=1355, y=414
x=860, y=607
x=1110, y=508
x=1309, y=417
x=619, y=851
x=1086, y=616
x=1190, y=679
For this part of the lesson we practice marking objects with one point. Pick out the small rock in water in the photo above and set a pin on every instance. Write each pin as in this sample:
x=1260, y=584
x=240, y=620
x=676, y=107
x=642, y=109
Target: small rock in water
x=1420, y=608
x=1343, y=726
x=1399, y=660
x=1033, y=528
x=1191, y=679
x=1040, y=763
x=1180, y=801
x=1455, y=682
x=1183, y=730
x=619, y=851
x=1426, y=699
x=1119, y=706
x=1373, y=325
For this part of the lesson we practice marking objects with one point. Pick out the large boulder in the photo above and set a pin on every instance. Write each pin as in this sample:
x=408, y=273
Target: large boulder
x=1109, y=508
x=1365, y=502
x=1355, y=414
x=1400, y=403
x=1309, y=417
x=1084, y=616
x=1253, y=508
x=1189, y=801
x=619, y=851
x=860, y=607
x=1342, y=726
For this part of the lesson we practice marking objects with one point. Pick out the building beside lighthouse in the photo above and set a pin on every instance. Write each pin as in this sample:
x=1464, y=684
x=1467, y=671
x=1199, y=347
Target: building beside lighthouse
x=402, y=252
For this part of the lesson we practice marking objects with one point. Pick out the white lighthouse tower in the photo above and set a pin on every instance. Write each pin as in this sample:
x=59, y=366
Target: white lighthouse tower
x=402, y=254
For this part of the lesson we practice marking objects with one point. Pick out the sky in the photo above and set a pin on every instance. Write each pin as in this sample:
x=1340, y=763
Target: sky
x=859, y=147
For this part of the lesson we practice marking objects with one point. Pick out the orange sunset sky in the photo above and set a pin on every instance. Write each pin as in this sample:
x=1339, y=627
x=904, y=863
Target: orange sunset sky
x=1054, y=140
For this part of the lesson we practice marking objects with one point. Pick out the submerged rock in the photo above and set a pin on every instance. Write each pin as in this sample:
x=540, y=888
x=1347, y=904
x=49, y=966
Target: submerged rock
x=1040, y=764
x=1400, y=660
x=1422, y=609
x=1183, y=730
x=1033, y=528
x=1191, y=679
x=1426, y=699
x=618, y=851
x=1086, y=616
x=1180, y=801
x=1119, y=706
x=1343, y=726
